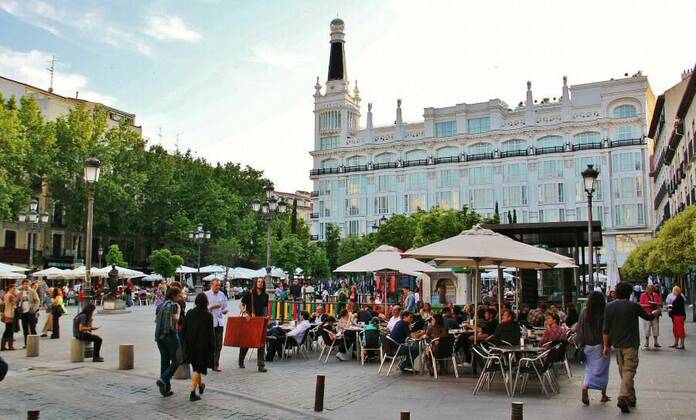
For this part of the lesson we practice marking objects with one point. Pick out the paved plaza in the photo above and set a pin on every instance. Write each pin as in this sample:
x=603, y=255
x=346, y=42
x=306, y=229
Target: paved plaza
x=64, y=390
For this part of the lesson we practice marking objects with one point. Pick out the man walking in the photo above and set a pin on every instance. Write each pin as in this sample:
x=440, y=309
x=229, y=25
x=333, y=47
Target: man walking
x=166, y=318
x=217, y=304
x=30, y=304
x=651, y=300
x=620, y=330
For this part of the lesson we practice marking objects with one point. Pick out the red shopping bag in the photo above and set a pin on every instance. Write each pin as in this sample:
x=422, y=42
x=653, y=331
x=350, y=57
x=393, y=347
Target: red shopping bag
x=247, y=333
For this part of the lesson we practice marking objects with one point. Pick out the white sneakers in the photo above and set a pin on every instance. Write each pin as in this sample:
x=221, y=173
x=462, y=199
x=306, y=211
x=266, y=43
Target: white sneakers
x=342, y=357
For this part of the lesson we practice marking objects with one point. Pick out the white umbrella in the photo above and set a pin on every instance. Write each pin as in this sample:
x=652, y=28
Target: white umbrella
x=214, y=276
x=385, y=257
x=242, y=273
x=613, y=276
x=185, y=270
x=50, y=273
x=275, y=272
x=123, y=272
x=81, y=271
x=11, y=275
x=214, y=268
x=153, y=277
x=13, y=268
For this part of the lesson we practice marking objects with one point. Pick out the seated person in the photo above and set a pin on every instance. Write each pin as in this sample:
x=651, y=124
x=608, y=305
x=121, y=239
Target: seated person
x=436, y=330
x=554, y=330
x=459, y=314
x=276, y=337
x=418, y=323
x=449, y=321
x=426, y=312
x=536, y=317
x=82, y=330
x=298, y=332
x=487, y=327
x=343, y=327
x=365, y=315
x=522, y=314
x=399, y=334
x=508, y=330
x=319, y=316
x=561, y=315
x=396, y=317
x=371, y=339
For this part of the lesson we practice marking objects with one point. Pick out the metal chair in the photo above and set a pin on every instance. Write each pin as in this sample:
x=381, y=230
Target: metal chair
x=390, y=350
x=445, y=353
x=328, y=343
x=493, y=363
x=368, y=339
x=299, y=347
x=539, y=366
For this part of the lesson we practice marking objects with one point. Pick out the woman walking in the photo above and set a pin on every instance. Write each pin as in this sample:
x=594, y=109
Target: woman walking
x=677, y=311
x=56, y=311
x=589, y=333
x=8, y=317
x=199, y=343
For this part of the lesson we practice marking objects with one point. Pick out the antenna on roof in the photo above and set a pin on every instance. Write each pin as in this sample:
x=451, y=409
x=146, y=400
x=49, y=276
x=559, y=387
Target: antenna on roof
x=52, y=70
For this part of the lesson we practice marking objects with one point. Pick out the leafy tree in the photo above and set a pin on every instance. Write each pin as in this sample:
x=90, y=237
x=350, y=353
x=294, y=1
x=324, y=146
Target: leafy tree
x=331, y=245
x=115, y=256
x=290, y=254
x=398, y=231
x=164, y=263
x=675, y=241
x=354, y=247
x=316, y=262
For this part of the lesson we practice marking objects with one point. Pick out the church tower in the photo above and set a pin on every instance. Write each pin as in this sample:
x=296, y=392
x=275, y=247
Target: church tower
x=337, y=110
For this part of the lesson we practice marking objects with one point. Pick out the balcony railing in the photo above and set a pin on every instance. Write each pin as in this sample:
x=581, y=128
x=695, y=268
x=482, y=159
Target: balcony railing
x=486, y=156
x=314, y=194
x=313, y=215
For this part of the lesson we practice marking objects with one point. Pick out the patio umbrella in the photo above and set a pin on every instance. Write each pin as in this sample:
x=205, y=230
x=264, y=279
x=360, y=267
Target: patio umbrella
x=385, y=258
x=13, y=268
x=214, y=268
x=153, y=277
x=478, y=247
x=125, y=273
x=50, y=273
x=185, y=270
x=11, y=275
x=214, y=276
x=80, y=272
x=242, y=273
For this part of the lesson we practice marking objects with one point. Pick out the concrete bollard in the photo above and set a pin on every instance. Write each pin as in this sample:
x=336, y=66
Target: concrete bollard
x=405, y=415
x=517, y=411
x=125, y=357
x=77, y=350
x=183, y=372
x=32, y=345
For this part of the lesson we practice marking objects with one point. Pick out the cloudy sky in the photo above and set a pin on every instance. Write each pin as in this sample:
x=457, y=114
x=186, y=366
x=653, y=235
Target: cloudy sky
x=233, y=80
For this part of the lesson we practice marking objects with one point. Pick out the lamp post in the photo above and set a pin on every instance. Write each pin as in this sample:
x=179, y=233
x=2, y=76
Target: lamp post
x=378, y=224
x=589, y=177
x=92, y=169
x=100, y=251
x=268, y=210
x=35, y=221
x=199, y=235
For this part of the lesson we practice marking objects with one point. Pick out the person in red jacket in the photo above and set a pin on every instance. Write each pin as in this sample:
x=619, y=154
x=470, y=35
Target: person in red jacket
x=650, y=301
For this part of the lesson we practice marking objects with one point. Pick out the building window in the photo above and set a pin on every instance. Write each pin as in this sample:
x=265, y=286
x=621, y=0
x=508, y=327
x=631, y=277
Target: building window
x=385, y=204
x=515, y=172
x=417, y=181
x=356, y=161
x=57, y=248
x=58, y=214
x=357, y=184
x=447, y=152
x=629, y=215
x=385, y=158
x=327, y=143
x=448, y=178
x=551, y=215
x=597, y=214
x=10, y=239
x=355, y=207
x=414, y=202
x=514, y=145
x=353, y=227
x=550, y=169
x=386, y=183
x=515, y=196
x=551, y=193
x=445, y=128
x=589, y=137
x=326, y=186
x=418, y=154
x=325, y=207
x=481, y=198
x=625, y=111
x=329, y=164
x=481, y=175
x=479, y=125
x=480, y=148
x=581, y=194
x=448, y=200
x=625, y=162
x=550, y=141
x=625, y=132
x=628, y=187
x=522, y=216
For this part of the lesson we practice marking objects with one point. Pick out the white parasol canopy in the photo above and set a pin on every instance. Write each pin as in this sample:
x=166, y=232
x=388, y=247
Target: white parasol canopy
x=275, y=272
x=153, y=277
x=214, y=276
x=242, y=273
x=80, y=272
x=13, y=268
x=385, y=257
x=214, y=268
x=11, y=275
x=185, y=270
x=123, y=272
x=51, y=273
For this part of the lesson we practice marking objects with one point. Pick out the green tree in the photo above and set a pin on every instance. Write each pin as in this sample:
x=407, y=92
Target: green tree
x=354, y=247
x=164, y=263
x=675, y=242
x=331, y=244
x=115, y=257
x=289, y=254
x=316, y=263
x=398, y=231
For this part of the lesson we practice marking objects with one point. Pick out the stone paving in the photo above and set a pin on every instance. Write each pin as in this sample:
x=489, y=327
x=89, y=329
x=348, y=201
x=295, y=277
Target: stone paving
x=60, y=389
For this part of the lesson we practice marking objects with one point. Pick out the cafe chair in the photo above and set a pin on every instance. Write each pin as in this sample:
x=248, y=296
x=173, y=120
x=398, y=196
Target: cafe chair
x=390, y=350
x=291, y=344
x=540, y=366
x=328, y=344
x=445, y=352
x=370, y=341
x=492, y=364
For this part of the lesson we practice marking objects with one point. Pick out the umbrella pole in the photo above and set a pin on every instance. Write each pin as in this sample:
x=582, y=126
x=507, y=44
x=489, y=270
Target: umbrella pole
x=476, y=293
x=501, y=285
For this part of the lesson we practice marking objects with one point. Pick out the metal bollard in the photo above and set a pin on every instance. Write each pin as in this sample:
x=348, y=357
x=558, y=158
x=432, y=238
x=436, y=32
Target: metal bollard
x=33, y=415
x=405, y=415
x=319, y=394
x=517, y=408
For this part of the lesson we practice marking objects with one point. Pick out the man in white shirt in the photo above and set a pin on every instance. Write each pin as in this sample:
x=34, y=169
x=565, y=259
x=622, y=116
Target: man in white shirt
x=294, y=337
x=217, y=303
x=396, y=317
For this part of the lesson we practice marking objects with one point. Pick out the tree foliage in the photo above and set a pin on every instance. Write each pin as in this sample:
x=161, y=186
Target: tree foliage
x=164, y=263
x=115, y=257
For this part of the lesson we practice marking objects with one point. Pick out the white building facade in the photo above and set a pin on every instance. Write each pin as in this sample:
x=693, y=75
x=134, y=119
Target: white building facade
x=527, y=160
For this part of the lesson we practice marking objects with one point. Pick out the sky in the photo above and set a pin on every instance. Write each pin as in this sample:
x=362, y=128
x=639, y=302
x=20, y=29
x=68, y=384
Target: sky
x=233, y=80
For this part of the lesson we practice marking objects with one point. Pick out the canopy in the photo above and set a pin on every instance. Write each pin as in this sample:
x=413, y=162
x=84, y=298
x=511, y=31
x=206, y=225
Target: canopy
x=153, y=277
x=13, y=268
x=185, y=270
x=51, y=273
x=214, y=276
x=242, y=273
x=212, y=269
x=11, y=275
x=385, y=257
x=275, y=272
x=613, y=277
x=80, y=272
x=122, y=272
x=492, y=275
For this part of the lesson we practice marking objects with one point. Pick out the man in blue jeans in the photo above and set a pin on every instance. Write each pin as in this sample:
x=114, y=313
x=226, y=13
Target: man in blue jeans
x=401, y=332
x=167, y=315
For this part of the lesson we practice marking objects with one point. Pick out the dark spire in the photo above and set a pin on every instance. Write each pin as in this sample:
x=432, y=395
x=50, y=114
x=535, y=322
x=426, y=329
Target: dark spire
x=337, y=57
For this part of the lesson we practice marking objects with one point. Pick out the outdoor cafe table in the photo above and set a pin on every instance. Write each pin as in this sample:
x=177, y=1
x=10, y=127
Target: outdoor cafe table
x=511, y=351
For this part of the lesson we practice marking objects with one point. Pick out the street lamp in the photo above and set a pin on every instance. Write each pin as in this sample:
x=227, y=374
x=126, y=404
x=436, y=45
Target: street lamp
x=589, y=177
x=378, y=223
x=268, y=210
x=199, y=235
x=92, y=169
x=100, y=251
x=35, y=220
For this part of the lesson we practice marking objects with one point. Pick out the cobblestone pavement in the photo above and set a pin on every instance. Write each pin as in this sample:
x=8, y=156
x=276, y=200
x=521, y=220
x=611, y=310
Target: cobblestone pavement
x=60, y=389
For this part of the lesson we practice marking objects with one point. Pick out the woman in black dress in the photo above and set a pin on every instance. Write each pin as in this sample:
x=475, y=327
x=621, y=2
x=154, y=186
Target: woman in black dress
x=199, y=343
